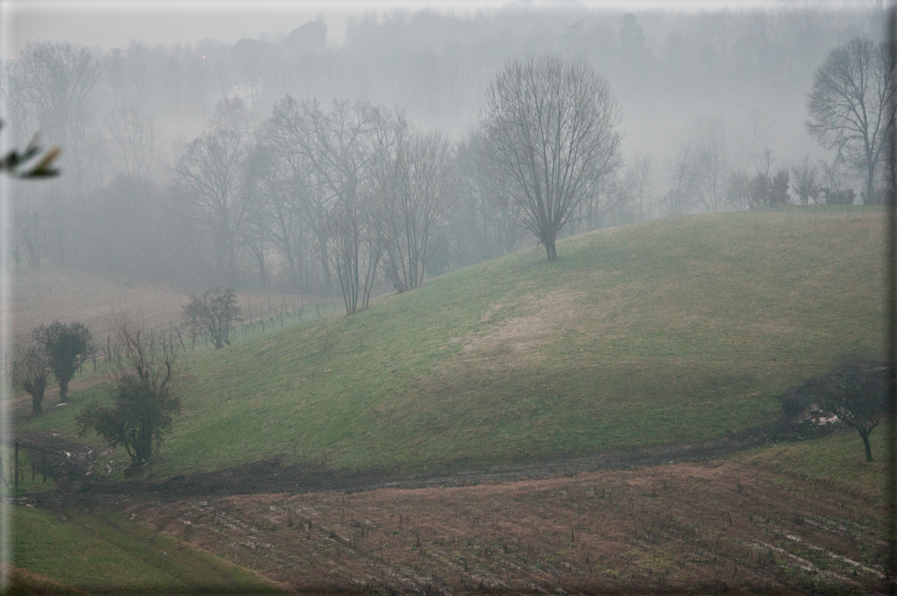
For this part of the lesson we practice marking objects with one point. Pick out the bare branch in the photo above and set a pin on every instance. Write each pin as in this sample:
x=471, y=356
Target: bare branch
x=550, y=129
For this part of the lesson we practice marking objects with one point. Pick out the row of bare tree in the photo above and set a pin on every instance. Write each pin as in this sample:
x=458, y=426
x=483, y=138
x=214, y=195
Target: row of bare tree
x=703, y=176
x=359, y=191
x=352, y=190
x=850, y=107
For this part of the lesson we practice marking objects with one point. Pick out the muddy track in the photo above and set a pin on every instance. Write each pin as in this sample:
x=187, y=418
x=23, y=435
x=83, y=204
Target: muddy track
x=78, y=473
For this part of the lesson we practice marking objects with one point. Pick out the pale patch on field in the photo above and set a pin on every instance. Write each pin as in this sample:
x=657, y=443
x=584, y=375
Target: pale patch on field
x=493, y=309
x=515, y=342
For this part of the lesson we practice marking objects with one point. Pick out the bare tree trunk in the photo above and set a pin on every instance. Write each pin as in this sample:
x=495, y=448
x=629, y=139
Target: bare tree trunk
x=325, y=262
x=866, y=445
x=551, y=250
x=260, y=259
x=870, y=185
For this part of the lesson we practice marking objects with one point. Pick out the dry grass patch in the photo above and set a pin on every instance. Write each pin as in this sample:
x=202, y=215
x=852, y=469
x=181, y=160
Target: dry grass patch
x=518, y=342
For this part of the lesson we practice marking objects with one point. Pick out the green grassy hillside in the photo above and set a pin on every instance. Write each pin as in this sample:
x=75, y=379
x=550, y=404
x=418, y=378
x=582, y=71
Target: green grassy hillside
x=668, y=331
x=110, y=554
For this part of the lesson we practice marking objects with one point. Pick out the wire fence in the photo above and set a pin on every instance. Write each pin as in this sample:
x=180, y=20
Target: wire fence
x=257, y=318
x=29, y=466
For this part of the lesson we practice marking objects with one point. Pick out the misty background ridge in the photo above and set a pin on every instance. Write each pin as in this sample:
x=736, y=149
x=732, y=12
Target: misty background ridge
x=731, y=83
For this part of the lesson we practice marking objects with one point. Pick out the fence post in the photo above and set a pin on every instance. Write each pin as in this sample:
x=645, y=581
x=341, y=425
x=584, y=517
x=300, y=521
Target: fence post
x=17, y=466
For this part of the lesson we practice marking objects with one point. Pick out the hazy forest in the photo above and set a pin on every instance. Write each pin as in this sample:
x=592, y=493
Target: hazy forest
x=530, y=299
x=707, y=101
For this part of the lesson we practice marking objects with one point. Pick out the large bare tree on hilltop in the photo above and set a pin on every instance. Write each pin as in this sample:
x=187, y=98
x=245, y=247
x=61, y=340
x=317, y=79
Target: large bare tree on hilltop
x=550, y=128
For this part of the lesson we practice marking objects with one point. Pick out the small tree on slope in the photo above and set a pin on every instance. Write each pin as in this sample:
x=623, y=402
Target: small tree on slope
x=33, y=372
x=144, y=403
x=66, y=347
x=212, y=315
x=855, y=394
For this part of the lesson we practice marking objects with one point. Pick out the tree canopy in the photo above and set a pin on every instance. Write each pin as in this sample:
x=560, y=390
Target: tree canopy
x=66, y=347
x=551, y=135
x=143, y=401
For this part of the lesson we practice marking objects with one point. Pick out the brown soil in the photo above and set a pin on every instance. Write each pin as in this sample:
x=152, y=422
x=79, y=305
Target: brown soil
x=77, y=469
x=696, y=528
x=735, y=525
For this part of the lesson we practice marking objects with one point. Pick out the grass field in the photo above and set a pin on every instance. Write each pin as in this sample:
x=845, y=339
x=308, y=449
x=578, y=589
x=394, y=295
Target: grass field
x=110, y=553
x=669, y=331
x=664, y=332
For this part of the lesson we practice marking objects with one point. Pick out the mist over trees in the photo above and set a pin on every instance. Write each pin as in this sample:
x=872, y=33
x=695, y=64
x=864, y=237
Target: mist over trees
x=347, y=171
x=210, y=181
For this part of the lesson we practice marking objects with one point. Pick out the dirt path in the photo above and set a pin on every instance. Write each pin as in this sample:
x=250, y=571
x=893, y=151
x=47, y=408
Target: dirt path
x=77, y=470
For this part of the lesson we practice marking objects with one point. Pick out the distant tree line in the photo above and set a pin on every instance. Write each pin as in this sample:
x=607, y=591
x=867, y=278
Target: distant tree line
x=215, y=164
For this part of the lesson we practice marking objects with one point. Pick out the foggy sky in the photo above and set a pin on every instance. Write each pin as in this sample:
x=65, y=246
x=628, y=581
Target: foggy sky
x=110, y=24
x=115, y=24
x=655, y=121
x=105, y=25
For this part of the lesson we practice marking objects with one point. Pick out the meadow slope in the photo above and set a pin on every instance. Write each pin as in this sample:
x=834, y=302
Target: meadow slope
x=669, y=331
